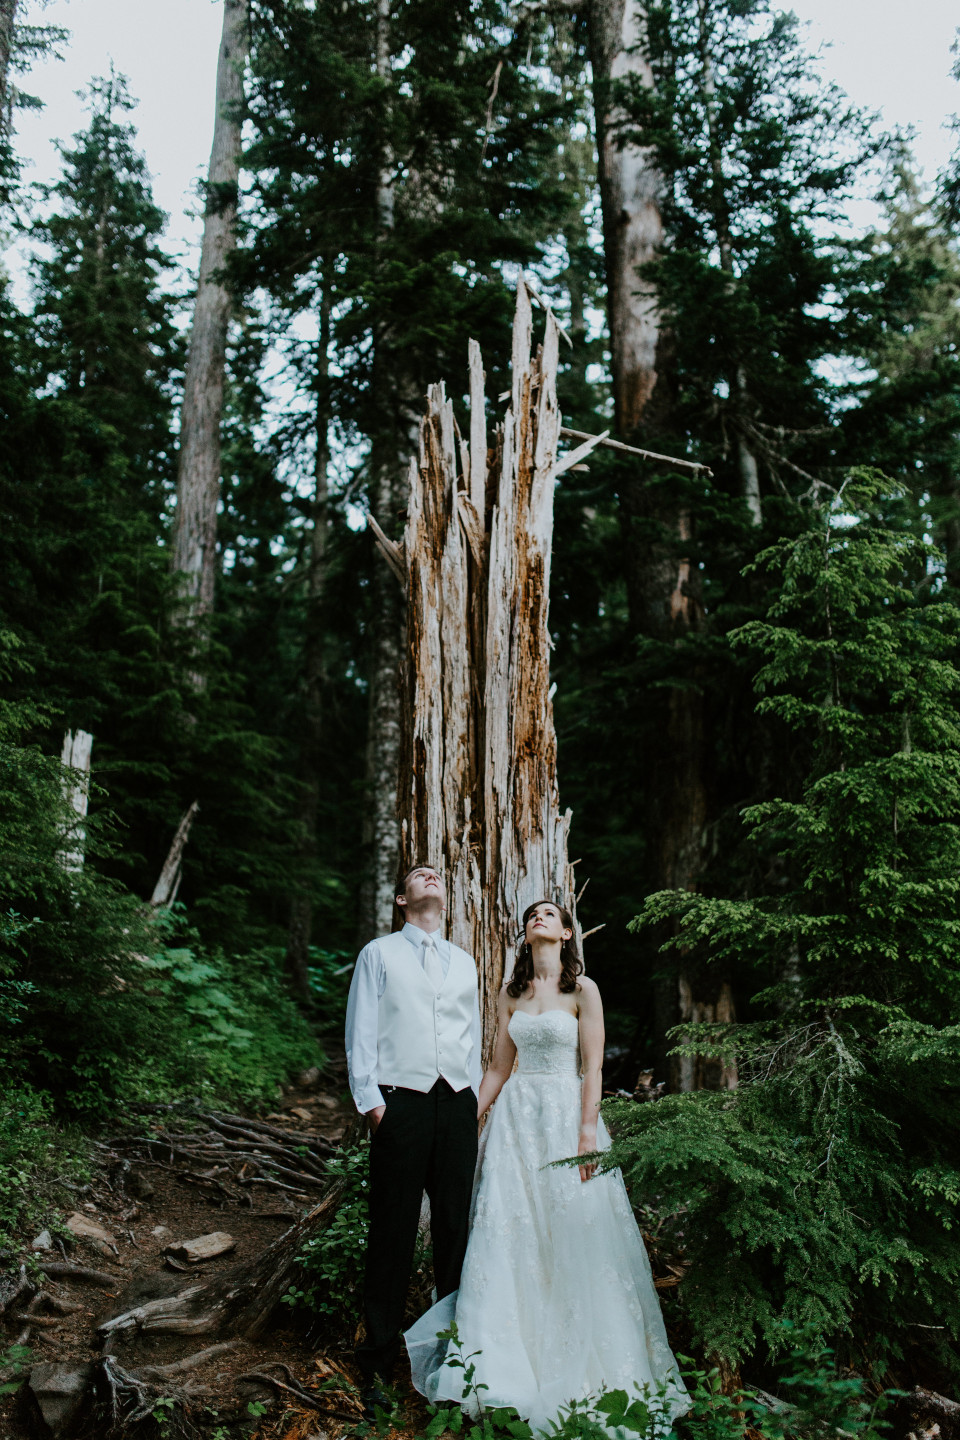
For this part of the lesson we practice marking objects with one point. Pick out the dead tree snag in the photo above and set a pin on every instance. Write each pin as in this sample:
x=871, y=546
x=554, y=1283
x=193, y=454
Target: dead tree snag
x=478, y=774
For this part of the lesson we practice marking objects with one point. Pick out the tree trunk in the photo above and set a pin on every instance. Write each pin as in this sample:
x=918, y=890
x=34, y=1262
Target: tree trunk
x=300, y=929
x=629, y=196
x=194, y=547
x=662, y=585
x=398, y=404
x=478, y=793
x=75, y=759
x=381, y=833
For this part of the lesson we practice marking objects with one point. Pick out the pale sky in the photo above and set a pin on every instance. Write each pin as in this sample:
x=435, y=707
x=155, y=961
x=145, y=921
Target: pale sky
x=887, y=55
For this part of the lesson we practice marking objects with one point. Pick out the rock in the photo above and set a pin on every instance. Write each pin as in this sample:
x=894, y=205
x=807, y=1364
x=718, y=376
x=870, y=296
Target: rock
x=328, y=1102
x=86, y=1229
x=307, y=1079
x=204, y=1247
x=59, y=1392
x=44, y=1241
x=89, y=1205
x=301, y=1113
x=161, y=1232
x=138, y=1185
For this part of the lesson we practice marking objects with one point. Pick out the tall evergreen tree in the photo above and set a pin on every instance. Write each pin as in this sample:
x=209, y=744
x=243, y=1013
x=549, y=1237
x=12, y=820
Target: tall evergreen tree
x=105, y=316
x=902, y=326
x=826, y=1190
x=431, y=137
x=756, y=156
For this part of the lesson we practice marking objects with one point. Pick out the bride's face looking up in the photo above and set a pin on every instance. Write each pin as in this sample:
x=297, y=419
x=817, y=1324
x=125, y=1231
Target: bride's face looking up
x=545, y=930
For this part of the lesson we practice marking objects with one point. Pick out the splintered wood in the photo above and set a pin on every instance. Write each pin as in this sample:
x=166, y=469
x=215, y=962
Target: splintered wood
x=478, y=775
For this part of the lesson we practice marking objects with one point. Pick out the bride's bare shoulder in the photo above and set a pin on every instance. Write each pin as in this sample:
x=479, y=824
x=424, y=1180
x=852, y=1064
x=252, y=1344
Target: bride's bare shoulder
x=588, y=991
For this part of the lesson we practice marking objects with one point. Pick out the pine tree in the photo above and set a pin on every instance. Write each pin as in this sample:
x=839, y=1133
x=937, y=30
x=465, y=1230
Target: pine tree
x=105, y=319
x=825, y=1190
x=422, y=177
x=902, y=325
x=755, y=156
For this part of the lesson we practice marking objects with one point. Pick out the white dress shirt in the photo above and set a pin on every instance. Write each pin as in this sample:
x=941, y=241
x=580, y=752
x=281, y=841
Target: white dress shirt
x=362, y=1027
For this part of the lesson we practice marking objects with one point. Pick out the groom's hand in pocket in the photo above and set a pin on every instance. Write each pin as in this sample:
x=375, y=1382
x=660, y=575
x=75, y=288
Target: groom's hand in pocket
x=374, y=1117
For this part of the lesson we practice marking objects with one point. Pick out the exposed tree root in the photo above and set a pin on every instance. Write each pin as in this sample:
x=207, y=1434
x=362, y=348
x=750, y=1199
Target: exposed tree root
x=63, y=1270
x=242, y=1298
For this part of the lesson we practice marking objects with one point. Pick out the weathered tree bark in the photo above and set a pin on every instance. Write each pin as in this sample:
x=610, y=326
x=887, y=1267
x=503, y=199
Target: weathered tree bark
x=395, y=441
x=663, y=587
x=311, y=741
x=629, y=196
x=75, y=758
x=165, y=890
x=194, y=547
x=478, y=791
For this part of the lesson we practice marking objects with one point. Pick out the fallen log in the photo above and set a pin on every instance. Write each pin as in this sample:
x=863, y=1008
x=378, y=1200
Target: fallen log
x=242, y=1298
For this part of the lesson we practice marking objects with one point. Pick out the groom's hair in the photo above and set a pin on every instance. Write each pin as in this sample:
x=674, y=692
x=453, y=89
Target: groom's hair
x=401, y=887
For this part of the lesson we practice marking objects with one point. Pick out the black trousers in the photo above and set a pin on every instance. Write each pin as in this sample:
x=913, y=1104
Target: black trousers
x=424, y=1142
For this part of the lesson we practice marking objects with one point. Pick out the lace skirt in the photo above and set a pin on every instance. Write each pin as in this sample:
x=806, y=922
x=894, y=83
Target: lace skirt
x=556, y=1298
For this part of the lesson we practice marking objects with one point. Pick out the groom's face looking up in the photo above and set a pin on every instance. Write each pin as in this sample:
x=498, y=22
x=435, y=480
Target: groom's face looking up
x=422, y=897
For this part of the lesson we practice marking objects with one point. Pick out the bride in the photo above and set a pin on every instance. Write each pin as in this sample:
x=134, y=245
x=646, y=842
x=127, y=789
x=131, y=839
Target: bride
x=556, y=1293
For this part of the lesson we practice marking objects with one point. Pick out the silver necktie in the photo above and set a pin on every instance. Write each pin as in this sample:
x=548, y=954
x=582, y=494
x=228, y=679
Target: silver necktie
x=432, y=967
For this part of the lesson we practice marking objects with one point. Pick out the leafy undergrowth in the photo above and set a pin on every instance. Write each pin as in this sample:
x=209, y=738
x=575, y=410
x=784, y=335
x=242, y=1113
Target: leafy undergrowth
x=814, y=1400
x=41, y=1164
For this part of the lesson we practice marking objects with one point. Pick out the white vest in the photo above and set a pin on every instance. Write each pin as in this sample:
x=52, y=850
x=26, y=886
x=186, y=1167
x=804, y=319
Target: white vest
x=424, y=1034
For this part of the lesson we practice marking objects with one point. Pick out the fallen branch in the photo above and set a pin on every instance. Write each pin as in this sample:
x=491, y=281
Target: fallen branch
x=609, y=444
x=306, y=1397
x=165, y=890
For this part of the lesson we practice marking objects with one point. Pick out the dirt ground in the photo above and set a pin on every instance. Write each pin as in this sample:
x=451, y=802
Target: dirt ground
x=168, y=1209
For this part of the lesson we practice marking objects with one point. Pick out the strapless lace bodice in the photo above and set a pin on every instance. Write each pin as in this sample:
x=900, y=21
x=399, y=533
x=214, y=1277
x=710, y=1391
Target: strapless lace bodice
x=547, y=1044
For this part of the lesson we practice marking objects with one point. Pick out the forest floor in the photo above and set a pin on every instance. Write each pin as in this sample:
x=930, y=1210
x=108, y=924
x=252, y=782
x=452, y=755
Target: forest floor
x=169, y=1209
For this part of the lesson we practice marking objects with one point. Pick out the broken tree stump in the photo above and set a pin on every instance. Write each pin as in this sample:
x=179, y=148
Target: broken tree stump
x=478, y=792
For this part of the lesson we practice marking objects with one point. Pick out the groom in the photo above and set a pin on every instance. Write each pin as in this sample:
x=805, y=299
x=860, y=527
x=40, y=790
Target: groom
x=413, y=1055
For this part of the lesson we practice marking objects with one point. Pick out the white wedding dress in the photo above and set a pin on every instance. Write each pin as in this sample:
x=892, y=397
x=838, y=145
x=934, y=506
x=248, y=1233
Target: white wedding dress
x=556, y=1291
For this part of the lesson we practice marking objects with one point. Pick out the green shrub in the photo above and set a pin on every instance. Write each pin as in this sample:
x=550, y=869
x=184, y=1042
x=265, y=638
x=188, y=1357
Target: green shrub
x=39, y=1163
x=826, y=1188
x=230, y=1029
x=101, y=999
x=332, y=1262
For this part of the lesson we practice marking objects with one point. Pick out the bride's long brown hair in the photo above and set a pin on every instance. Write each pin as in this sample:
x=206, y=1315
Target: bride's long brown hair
x=570, y=963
